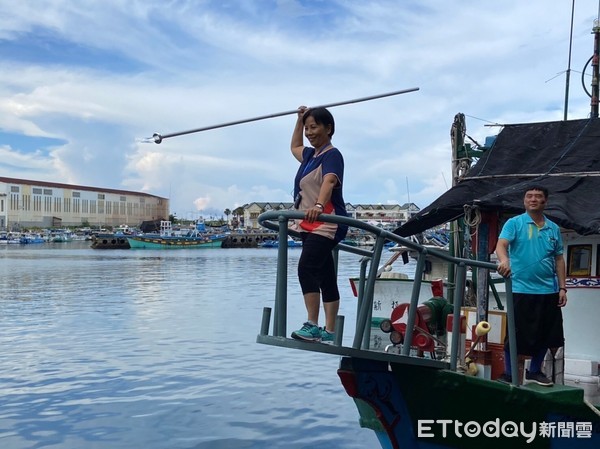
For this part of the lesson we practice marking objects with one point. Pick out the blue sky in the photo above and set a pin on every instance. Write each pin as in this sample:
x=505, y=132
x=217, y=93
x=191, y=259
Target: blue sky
x=83, y=82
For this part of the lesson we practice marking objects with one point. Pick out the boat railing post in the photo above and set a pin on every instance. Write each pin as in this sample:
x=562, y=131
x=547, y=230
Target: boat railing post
x=336, y=259
x=366, y=344
x=459, y=295
x=414, y=301
x=361, y=292
x=339, y=319
x=361, y=285
x=512, y=333
x=339, y=330
x=280, y=316
x=494, y=290
x=266, y=319
x=367, y=303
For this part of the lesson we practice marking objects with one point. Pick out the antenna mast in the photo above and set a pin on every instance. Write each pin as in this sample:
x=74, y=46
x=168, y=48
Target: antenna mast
x=569, y=64
x=595, y=69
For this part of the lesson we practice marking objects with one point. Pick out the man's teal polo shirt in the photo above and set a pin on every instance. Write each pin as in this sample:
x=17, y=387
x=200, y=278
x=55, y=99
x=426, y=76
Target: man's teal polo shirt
x=532, y=253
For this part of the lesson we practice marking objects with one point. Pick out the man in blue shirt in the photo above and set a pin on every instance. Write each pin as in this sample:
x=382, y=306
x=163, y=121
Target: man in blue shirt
x=530, y=251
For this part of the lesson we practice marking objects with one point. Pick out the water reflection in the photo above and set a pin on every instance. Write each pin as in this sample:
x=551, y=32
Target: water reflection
x=156, y=349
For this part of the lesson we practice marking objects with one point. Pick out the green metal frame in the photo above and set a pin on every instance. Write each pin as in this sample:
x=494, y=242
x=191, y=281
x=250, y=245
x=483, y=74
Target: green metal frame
x=279, y=221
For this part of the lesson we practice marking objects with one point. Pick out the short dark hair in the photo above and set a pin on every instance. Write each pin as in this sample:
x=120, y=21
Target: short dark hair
x=322, y=117
x=537, y=187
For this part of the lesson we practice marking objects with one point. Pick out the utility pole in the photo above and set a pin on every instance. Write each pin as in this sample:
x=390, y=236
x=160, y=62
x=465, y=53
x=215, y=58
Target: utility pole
x=595, y=69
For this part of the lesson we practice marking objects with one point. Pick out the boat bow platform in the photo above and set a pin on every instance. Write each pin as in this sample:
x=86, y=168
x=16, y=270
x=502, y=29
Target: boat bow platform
x=412, y=401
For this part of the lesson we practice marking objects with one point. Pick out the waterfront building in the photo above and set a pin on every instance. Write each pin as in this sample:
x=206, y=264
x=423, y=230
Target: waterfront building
x=26, y=204
x=383, y=214
x=391, y=215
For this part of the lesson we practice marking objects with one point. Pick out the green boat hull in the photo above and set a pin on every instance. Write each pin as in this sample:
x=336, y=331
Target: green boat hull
x=152, y=242
x=419, y=407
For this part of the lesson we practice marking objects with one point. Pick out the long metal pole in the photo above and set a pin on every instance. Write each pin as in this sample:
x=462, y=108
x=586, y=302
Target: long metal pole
x=158, y=138
x=569, y=64
x=595, y=71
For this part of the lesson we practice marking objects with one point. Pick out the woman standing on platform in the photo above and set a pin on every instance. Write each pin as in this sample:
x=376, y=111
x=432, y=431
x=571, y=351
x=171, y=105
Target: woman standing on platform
x=318, y=190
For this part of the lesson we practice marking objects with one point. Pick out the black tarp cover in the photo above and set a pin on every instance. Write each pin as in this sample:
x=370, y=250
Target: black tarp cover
x=150, y=226
x=561, y=156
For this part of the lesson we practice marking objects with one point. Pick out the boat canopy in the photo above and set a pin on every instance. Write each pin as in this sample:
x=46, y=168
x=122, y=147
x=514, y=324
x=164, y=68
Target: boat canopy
x=563, y=156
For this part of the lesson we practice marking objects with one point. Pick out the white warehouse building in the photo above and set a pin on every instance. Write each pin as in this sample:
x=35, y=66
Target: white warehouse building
x=26, y=204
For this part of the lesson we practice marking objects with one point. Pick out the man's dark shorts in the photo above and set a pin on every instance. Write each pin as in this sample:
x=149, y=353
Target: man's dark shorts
x=538, y=322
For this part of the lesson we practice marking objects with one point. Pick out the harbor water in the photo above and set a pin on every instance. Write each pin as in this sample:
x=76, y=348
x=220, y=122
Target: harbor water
x=156, y=349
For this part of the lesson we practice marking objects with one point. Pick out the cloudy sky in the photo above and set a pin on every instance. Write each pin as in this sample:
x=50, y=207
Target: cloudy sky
x=83, y=82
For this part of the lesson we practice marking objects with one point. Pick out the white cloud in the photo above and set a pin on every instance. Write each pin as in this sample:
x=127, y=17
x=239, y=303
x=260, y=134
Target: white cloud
x=101, y=75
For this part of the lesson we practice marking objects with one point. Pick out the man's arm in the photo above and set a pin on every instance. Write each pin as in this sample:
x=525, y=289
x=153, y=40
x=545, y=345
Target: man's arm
x=503, y=259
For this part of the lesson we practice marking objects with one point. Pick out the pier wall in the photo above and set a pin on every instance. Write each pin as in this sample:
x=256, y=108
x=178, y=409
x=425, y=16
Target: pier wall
x=247, y=240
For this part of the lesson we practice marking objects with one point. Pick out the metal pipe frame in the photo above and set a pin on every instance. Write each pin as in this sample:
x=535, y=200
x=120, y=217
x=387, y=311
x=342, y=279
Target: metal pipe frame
x=278, y=220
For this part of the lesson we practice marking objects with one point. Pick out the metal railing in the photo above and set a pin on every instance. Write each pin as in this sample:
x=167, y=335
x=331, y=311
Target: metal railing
x=279, y=221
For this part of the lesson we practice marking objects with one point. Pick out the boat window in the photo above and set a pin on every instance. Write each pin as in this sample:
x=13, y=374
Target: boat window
x=579, y=260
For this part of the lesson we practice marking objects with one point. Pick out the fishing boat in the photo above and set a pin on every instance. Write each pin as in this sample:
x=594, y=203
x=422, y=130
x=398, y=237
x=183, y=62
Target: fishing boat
x=274, y=243
x=421, y=378
x=10, y=237
x=29, y=238
x=431, y=387
x=413, y=397
x=170, y=239
x=61, y=236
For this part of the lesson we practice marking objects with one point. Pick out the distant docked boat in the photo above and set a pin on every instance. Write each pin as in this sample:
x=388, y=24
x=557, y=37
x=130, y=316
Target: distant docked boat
x=275, y=243
x=168, y=239
x=9, y=237
x=174, y=242
x=62, y=236
x=28, y=239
